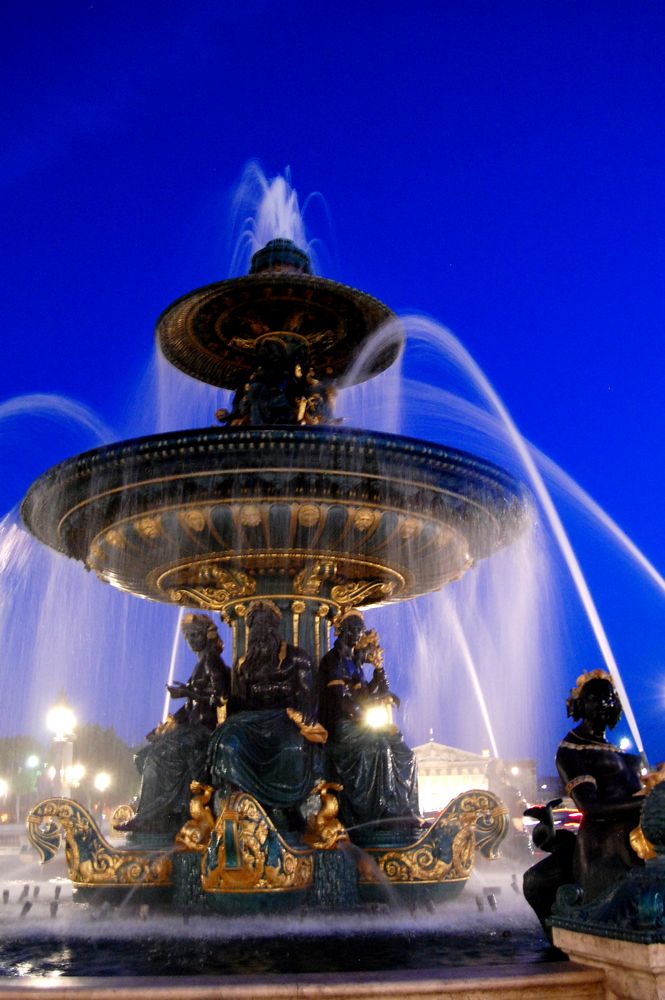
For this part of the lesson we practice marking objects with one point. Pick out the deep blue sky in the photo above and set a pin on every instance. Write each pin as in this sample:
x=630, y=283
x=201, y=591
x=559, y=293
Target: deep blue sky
x=496, y=165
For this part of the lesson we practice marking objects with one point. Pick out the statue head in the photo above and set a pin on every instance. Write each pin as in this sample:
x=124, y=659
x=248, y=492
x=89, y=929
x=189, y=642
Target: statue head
x=199, y=630
x=350, y=626
x=263, y=617
x=594, y=699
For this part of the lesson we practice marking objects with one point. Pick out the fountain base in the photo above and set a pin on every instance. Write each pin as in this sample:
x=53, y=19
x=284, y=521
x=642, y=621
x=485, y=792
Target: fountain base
x=240, y=863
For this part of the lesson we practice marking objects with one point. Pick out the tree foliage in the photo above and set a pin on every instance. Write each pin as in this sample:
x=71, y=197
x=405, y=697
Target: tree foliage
x=100, y=749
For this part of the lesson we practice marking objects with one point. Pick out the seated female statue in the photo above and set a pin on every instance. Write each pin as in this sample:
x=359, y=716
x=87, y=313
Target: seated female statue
x=175, y=751
x=375, y=766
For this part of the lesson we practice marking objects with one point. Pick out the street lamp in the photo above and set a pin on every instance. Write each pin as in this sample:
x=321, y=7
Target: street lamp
x=61, y=721
x=102, y=781
x=74, y=774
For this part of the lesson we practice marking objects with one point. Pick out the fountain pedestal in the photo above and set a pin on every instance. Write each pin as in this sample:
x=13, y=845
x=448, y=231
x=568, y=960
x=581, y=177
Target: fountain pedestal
x=622, y=931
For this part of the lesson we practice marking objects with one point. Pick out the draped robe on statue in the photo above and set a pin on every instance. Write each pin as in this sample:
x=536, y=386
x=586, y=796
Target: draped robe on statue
x=259, y=748
x=375, y=766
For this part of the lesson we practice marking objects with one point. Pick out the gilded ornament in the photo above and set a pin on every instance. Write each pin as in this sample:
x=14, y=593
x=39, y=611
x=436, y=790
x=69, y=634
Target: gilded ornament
x=312, y=731
x=148, y=527
x=308, y=581
x=235, y=582
x=96, y=554
x=642, y=847
x=208, y=598
x=361, y=592
x=445, y=851
x=363, y=519
x=250, y=515
x=246, y=852
x=115, y=537
x=309, y=515
x=91, y=860
x=194, y=519
x=324, y=830
x=121, y=814
x=195, y=834
x=370, y=641
x=409, y=527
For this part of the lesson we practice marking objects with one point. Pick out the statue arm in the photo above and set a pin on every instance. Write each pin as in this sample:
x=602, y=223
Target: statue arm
x=585, y=796
x=581, y=785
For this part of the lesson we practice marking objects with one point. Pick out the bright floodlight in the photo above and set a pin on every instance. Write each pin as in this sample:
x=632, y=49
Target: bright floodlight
x=625, y=743
x=4, y=788
x=514, y=770
x=61, y=721
x=379, y=715
x=32, y=761
x=102, y=781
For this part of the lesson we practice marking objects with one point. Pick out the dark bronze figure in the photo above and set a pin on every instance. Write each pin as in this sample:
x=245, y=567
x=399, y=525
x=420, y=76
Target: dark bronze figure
x=282, y=390
x=603, y=781
x=374, y=765
x=175, y=751
x=267, y=745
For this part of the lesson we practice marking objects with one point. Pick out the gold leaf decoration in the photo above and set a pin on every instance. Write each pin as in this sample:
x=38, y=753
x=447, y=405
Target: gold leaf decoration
x=91, y=860
x=361, y=592
x=115, y=537
x=250, y=515
x=148, y=527
x=309, y=515
x=261, y=858
x=193, y=519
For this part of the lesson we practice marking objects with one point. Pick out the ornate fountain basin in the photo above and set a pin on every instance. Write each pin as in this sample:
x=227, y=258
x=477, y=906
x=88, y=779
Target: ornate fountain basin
x=216, y=516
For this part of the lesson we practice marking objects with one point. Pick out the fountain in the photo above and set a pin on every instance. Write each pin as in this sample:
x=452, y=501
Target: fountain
x=285, y=523
x=278, y=508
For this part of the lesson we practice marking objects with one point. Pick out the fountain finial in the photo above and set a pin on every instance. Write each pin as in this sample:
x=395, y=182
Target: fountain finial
x=280, y=255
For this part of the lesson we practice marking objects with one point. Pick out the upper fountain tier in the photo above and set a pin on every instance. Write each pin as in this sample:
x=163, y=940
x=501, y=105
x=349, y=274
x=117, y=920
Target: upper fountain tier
x=276, y=504
x=216, y=333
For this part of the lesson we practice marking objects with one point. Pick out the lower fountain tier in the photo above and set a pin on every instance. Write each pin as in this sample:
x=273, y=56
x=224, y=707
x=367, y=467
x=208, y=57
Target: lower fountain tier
x=215, y=516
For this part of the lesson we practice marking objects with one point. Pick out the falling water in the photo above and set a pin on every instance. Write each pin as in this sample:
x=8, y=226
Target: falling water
x=265, y=209
x=174, y=658
x=433, y=333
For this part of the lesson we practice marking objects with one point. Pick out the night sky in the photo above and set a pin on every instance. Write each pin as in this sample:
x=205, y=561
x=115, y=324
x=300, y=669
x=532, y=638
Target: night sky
x=497, y=167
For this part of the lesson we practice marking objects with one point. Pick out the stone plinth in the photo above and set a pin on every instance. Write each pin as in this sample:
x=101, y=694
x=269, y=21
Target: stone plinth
x=633, y=971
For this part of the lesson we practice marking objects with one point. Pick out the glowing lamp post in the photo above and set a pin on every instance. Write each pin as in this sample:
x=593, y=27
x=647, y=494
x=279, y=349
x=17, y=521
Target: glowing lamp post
x=102, y=781
x=61, y=721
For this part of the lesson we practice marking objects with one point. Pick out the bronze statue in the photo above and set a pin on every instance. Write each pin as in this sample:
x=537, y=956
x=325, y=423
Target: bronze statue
x=374, y=765
x=272, y=674
x=207, y=690
x=267, y=744
x=604, y=783
x=283, y=389
x=175, y=751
